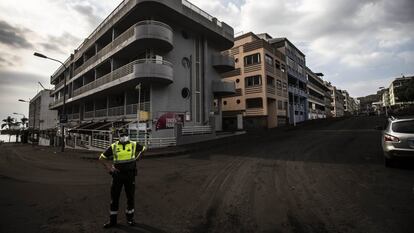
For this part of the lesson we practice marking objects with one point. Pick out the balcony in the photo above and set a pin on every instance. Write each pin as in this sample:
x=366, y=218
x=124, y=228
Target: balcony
x=128, y=110
x=154, y=34
x=149, y=34
x=223, y=62
x=297, y=91
x=222, y=88
x=57, y=102
x=146, y=70
x=153, y=71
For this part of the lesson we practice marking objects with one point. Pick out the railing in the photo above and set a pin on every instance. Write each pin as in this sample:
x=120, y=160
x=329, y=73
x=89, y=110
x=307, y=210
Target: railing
x=159, y=142
x=73, y=116
x=89, y=114
x=133, y=108
x=99, y=143
x=153, y=22
x=193, y=130
x=296, y=90
x=58, y=101
x=254, y=111
x=108, y=48
x=101, y=113
x=116, y=111
x=201, y=12
x=271, y=90
x=116, y=74
x=253, y=89
x=90, y=39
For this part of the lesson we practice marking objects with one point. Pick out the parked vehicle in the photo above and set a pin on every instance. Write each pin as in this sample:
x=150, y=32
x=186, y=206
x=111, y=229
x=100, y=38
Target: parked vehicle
x=398, y=139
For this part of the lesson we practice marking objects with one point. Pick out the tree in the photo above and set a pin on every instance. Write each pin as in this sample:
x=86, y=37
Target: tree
x=24, y=122
x=9, y=122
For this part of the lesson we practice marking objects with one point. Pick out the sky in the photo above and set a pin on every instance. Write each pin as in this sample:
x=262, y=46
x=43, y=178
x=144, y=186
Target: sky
x=359, y=45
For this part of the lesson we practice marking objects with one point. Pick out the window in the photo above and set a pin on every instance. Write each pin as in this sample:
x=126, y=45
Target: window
x=269, y=60
x=270, y=81
x=403, y=127
x=238, y=101
x=237, y=80
x=253, y=81
x=284, y=86
x=277, y=64
x=254, y=103
x=279, y=85
x=300, y=69
x=279, y=105
x=283, y=69
x=252, y=59
x=225, y=102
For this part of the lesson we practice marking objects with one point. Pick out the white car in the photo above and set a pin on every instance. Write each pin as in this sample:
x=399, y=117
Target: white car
x=398, y=139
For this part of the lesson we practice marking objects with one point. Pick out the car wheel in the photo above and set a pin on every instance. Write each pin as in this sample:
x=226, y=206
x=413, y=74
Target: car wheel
x=388, y=162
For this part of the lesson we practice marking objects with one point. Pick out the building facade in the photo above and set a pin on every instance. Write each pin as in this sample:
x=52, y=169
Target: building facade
x=42, y=120
x=396, y=89
x=297, y=82
x=154, y=62
x=318, y=96
x=337, y=101
x=260, y=100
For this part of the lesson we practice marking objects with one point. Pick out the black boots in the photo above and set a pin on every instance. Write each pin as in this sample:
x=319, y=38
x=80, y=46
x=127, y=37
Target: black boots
x=112, y=221
x=130, y=219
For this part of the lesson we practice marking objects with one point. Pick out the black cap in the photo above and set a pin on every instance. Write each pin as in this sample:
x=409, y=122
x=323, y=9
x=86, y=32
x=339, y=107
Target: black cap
x=123, y=132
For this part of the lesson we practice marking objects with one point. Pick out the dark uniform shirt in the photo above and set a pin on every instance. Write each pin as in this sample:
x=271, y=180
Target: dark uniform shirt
x=123, y=166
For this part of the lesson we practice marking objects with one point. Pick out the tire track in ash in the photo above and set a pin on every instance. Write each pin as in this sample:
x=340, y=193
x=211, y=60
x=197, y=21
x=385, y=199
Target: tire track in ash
x=290, y=181
x=222, y=195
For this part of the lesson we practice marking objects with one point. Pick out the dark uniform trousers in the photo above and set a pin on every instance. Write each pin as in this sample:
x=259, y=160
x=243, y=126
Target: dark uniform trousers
x=126, y=179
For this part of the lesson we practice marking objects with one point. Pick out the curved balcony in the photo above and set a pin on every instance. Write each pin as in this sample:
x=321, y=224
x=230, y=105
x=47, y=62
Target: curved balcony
x=223, y=62
x=154, y=34
x=145, y=70
x=153, y=71
x=222, y=88
x=144, y=34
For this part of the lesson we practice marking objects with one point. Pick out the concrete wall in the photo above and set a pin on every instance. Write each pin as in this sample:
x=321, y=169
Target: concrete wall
x=168, y=98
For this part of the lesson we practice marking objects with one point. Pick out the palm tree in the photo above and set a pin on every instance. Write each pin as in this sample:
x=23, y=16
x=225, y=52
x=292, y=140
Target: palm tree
x=9, y=122
x=24, y=122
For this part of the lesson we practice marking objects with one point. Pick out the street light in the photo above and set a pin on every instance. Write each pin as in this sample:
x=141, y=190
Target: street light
x=63, y=116
x=138, y=87
x=34, y=116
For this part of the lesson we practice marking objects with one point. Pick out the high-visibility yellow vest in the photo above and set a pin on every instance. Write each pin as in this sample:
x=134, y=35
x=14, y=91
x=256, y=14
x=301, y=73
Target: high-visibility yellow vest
x=122, y=155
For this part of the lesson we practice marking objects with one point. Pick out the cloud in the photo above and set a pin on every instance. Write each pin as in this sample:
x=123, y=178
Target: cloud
x=60, y=44
x=7, y=60
x=89, y=12
x=14, y=36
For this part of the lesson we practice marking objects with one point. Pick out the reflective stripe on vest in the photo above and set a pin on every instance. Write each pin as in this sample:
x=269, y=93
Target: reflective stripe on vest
x=121, y=155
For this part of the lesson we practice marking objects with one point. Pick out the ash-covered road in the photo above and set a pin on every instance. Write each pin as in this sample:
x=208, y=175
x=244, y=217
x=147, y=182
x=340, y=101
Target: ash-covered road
x=325, y=176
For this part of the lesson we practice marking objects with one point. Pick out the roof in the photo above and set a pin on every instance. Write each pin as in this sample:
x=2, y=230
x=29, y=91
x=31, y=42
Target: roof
x=276, y=40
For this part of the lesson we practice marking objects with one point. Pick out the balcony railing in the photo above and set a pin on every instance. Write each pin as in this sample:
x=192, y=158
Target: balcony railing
x=132, y=109
x=129, y=33
x=58, y=101
x=201, y=12
x=118, y=73
x=297, y=91
x=116, y=111
x=108, y=48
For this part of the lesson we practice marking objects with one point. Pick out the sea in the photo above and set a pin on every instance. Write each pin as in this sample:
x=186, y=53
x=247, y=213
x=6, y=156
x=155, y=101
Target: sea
x=5, y=138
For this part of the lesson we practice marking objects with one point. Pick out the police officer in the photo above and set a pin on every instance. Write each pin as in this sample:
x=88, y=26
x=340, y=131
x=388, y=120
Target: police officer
x=119, y=159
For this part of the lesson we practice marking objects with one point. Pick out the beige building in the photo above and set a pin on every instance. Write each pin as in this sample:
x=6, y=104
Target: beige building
x=261, y=98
